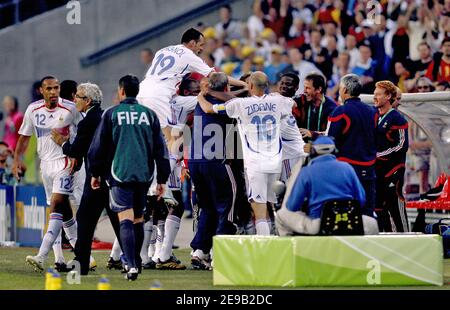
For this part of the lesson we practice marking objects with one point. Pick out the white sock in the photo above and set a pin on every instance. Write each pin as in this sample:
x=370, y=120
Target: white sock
x=262, y=227
x=159, y=240
x=171, y=230
x=54, y=228
x=70, y=228
x=115, y=251
x=57, y=249
x=151, y=247
x=173, y=161
x=148, y=230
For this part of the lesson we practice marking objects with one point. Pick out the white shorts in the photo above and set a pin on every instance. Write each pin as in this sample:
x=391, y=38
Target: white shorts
x=259, y=186
x=79, y=179
x=174, y=182
x=286, y=167
x=56, y=177
x=160, y=106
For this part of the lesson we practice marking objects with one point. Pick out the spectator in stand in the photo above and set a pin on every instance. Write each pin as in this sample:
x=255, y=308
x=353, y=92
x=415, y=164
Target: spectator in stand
x=443, y=86
x=13, y=121
x=302, y=67
x=419, y=67
x=6, y=176
x=228, y=28
x=277, y=18
x=331, y=56
x=331, y=30
x=340, y=69
x=276, y=65
x=301, y=11
x=439, y=69
x=297, y=33
x=400, y=41
x=255, y=23
x=377, y=40
x=229, y=54
x=365, y=67
x=314, y=52
x=352, y=49
x=419, y=143
x=401, y=76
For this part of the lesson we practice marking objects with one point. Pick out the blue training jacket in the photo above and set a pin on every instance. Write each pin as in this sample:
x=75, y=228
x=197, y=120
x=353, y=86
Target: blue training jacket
x=353, y=125
x=324, y=179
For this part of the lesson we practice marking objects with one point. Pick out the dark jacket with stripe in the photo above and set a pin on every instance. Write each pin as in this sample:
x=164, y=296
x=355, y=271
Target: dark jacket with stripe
x=392, y=143
x=353, y=125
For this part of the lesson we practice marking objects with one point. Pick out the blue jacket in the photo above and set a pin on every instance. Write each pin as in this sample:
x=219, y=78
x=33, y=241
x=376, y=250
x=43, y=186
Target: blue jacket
x=322, y=180
x=353, y=125
x=209, y=135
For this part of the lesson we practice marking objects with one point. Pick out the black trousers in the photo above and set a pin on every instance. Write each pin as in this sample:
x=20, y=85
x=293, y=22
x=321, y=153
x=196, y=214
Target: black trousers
x=215, y=189
x=91, y=206
x=391, y=211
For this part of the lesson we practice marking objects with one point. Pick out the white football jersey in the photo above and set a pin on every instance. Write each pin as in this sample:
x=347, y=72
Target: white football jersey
x=40, y=121
x=291, y=138
x=180, y=107
x=168, y=68
x=259, y=120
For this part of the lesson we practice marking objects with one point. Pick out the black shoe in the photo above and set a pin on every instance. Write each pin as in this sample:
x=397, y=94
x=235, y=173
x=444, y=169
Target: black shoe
x=62, y=267
x=132, y=274
x=200, y=264
x=150, y=265
x=114, y=264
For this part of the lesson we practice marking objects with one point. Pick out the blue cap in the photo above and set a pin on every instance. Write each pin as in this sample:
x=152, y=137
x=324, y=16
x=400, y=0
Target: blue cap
x=324, y=145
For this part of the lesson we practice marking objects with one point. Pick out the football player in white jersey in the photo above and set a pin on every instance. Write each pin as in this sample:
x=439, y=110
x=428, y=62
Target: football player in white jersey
x=293, y=144
x=160, y=247
x=259, y=118
x=166, y=72
x=41, y=117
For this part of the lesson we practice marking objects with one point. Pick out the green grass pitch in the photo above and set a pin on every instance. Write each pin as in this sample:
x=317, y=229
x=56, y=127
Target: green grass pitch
x=15, y=274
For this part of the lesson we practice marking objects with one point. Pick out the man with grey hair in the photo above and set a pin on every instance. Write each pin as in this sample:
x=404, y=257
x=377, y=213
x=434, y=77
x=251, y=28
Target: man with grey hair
x=211, y=175
x=88, y=99
x=353, y=125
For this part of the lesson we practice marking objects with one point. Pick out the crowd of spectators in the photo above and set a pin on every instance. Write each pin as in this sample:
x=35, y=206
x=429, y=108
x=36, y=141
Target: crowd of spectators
x=402, y=41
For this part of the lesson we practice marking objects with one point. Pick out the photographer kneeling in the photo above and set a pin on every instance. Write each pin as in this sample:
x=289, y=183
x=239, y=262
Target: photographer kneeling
x=324, y=179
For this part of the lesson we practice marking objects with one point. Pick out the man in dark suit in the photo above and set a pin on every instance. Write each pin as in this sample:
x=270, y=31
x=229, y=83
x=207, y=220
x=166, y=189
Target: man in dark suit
x=88, y=99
